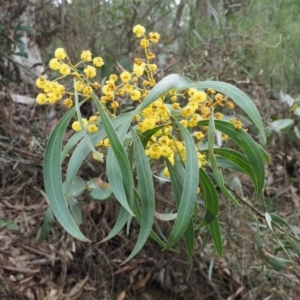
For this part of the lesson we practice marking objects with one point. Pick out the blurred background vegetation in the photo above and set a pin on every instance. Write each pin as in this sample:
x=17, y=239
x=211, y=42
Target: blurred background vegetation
x=253, y=44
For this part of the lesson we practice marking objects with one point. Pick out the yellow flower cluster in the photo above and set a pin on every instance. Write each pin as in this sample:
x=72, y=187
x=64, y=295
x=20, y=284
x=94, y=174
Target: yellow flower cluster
x=53, y=91
x=189, y=107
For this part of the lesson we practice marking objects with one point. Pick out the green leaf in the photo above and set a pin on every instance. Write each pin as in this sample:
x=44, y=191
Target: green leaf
x=2, y=223
x=237, y=158
x=98, y=189
x=215, y=232
x=225, y=163
x=119, y=152
x=165, y=217
x=75, y=211
x=189, y=189
x=77, y=187
x=86, y=136
x=72, y=141
x=173, y=81
x=138, y=214
x=241, y=162
x=281, y=125
x=250, y=149
x=217, y=172
x=177, y=183
x=53, y=181
x=11, y=225
x=210, y=198
x=239, y=97
x=279, y=220
x=121, y=221
x=273, y=261
x=47, y=225
x=146, y=191
x=115, y=180
x=82, y=150
x=294, y=245
x=145, y=136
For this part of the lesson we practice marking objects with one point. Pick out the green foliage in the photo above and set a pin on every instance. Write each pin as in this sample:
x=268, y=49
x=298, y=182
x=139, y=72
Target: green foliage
x=139, y=200
x=130, y=143
x=11, y=225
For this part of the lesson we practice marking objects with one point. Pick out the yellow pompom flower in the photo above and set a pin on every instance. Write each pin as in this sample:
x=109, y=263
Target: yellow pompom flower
x=166, y=151
x=210, y=91
x=154, y=151
x=68, y=103
x=93, y=119
x=79, y=86
x=150, y=55
x=54, y=64
x=84, y=122
x=218, y=116
x=86, y=55
x=106, y=142
x=53, y=97
x=139, y=30
x=40, y=82
x=96, y=85
x=152, y=67
x=76, y=126
x=113, y=77
x=200, y=96
x=176, y=106
x=87, y=90
x=192, y=92
x=135, y=95
x=230, y=105
x=92, y=128
x=188, y=111
x=98, y=61
x=238, y=125
x=144, y=44
x=128, y=88
x=154, y=37
x=115, y=105
x=41, y=99
x=198, y=135
x=125, y=76
x=60, y=53
x=90, y=71
x=64, y=69
x=97, y=157
x=138, y=70
x=219, y=97
x=184, y=123
x=166, y=172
